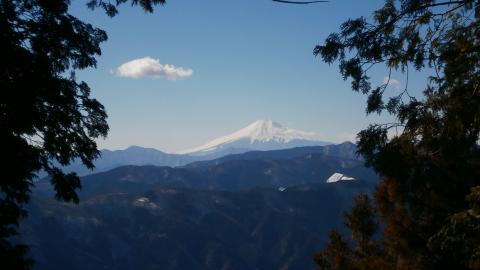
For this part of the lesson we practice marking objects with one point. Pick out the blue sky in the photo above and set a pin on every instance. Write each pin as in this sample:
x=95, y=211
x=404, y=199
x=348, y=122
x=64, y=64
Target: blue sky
x=251, y=59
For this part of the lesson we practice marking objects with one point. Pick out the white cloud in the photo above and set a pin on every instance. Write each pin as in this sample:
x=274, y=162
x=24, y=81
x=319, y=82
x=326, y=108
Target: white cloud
x=151, y=68
x=392, y=82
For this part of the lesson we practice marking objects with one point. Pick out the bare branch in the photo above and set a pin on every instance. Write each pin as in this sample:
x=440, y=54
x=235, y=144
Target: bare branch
x=298, y=2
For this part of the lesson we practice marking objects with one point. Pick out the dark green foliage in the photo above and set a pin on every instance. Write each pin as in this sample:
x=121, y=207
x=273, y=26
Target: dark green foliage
x=459, y=238
x=430, y=167
x=337, y=255
x=46, y=115
x=361, y=221
x=367, y=252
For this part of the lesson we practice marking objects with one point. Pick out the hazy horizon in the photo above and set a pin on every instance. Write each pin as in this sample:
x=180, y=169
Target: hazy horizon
x=185, y=150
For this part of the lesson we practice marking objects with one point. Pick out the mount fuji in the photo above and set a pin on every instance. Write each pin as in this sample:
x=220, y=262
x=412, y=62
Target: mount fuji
x=261, y=135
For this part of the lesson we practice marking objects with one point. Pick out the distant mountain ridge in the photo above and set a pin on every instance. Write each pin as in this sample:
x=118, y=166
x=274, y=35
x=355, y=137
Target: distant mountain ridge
x=279, y=168
x=133, y=155
x=346, y=150
x=261, y=135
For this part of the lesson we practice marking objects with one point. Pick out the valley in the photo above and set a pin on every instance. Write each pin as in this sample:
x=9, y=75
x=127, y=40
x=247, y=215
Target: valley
x=255, y=210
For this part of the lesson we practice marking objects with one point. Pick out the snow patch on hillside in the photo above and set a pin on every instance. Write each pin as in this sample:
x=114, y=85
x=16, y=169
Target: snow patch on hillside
x=339, y=177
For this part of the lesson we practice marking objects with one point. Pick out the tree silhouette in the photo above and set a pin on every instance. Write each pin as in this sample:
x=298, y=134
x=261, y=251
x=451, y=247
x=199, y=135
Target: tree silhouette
x=337, y=255
x=426, y=201
x=46, y=115
x=367, y=252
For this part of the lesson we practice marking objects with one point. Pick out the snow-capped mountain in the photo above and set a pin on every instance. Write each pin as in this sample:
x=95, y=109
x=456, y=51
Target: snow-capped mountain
x=260, y=135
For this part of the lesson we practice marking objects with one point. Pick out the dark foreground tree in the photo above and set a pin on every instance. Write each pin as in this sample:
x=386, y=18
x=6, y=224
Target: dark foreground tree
x=46, y=115
x=428, y=199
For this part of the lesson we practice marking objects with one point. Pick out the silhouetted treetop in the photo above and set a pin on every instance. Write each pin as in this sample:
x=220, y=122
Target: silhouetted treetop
x=430, y=168
x=111, y=8
x=47, y=117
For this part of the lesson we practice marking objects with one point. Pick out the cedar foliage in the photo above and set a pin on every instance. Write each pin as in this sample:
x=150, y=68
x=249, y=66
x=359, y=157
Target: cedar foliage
x=47, y=117
x=428, y=199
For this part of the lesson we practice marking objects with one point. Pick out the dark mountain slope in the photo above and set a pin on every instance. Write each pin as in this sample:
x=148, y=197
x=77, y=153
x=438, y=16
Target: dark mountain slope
x=346, y=150
x=232, y=175
x=140, y=156
x=174, y=228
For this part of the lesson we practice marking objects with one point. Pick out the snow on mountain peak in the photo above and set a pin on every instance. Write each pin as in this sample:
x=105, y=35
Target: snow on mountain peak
x=266, y=130
x=258, y=132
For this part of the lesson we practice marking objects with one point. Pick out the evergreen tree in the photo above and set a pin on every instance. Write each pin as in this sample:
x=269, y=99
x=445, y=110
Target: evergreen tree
x=46, y=115
x=367, y=253
x=337, y=255
x=427, y=200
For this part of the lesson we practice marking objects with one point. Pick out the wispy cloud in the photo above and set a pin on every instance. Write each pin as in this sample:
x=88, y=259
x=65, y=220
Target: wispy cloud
x=392, y=82
x=149, y=67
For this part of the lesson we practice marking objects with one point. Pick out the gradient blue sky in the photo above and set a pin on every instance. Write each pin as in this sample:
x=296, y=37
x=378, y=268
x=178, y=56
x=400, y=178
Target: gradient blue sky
x=251, y=59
